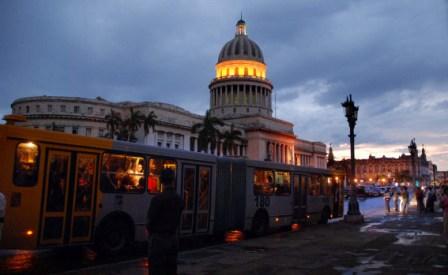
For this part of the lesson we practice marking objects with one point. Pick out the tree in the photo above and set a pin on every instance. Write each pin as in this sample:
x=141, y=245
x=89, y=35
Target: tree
x=207, y=132
x=133, y=123
x=149, y=122
x=229, y=140
x=113, y=122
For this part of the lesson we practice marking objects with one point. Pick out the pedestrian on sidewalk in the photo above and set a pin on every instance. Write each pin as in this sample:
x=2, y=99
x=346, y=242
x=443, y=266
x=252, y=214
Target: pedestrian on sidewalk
x=162, y=223
x=419, y=198
x=2, y=212
x=396, y=199
x=444, y=206
x=404, y=200
x=431, y=198
x=387, y=201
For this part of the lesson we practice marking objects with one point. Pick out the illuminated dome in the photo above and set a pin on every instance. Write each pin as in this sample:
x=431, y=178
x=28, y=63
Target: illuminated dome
x=241, y=47
x=240, y=87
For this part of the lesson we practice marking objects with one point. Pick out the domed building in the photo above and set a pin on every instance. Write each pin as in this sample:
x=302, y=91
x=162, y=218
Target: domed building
x=240, y=86
x=240, y=94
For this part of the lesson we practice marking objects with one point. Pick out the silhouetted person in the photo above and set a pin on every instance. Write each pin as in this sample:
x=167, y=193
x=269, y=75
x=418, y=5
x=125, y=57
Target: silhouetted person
x=444, y=206
x=405, y=199
x=387, y=201
x=163, y=221
x=2, y=212
x=419, y=196
x=396, y=199
x=431, y=198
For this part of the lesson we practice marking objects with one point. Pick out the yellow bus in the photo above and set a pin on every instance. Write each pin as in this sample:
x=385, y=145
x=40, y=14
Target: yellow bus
x=63, y=189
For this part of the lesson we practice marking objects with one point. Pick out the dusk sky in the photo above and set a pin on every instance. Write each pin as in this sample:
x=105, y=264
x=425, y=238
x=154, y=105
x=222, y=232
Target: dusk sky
x=392, y=56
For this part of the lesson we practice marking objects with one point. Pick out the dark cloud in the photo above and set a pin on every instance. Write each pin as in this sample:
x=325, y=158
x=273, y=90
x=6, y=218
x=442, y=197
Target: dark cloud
x=383, y=52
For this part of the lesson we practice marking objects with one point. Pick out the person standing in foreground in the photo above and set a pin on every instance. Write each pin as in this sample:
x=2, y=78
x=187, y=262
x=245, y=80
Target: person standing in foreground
x=162, y=223
x=2, y=212
x=444, y=206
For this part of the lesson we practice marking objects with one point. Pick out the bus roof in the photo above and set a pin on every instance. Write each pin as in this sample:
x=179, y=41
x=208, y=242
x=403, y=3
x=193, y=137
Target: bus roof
x=40, y=135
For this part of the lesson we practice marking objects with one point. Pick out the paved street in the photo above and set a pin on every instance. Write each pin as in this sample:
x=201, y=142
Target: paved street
x=386, y=244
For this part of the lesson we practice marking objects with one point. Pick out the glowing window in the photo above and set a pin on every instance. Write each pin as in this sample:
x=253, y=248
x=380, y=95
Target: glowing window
x=263, y=181
x=26, y=164
x=156, y=165
x=282, y=183
x=122, y=174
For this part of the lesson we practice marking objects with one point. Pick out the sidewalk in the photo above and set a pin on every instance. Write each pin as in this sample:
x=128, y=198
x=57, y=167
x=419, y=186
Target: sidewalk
x=393, y=244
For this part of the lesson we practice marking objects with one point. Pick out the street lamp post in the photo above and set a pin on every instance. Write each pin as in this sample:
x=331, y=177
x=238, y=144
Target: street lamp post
x=413, y=151
x=351, y=113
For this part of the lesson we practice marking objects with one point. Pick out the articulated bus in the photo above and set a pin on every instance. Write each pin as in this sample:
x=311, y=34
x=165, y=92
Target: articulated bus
x=63, y=189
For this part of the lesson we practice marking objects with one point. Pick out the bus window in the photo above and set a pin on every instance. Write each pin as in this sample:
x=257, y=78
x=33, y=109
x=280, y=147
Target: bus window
x=122, y=174
x=314, y=186
x=26, y=164
x=156, y=165
x=282, y=183
x=263, y=182
x=324, y=185
x=57, y=182
x=85, y=180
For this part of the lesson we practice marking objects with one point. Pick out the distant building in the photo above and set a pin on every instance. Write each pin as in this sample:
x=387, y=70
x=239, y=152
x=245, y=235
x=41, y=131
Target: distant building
x=386, y=170
x=442, y=178
x=240, y=94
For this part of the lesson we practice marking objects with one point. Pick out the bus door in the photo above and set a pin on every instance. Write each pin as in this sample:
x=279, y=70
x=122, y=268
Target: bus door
x=196, y=184
x=299, y=196
x=68, y=197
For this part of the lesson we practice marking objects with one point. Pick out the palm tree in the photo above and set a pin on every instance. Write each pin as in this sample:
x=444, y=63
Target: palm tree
x=149, y=122
x=113, y=122
x=230, y=137
x=132, y=123
x=207, y=132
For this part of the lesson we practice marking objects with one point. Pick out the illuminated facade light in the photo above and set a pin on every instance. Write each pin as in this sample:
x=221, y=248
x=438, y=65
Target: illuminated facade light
x=240, y=68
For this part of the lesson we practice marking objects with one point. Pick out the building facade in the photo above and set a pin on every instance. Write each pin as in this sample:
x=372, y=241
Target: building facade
x=387, y=170
x=240, y=95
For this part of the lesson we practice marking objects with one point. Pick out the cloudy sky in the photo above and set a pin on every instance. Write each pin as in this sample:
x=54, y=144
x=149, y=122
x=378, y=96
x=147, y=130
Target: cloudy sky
x=392, y=56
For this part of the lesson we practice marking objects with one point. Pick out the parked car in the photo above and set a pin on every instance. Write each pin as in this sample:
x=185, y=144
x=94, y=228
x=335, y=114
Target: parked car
x=384, y=189
x=361, y=191
x=372, y=191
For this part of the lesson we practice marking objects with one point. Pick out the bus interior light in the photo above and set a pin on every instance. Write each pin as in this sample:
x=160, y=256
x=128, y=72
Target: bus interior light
x=29, y=233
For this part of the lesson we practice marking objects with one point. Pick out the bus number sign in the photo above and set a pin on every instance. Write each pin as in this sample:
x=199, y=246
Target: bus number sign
x=262, y=201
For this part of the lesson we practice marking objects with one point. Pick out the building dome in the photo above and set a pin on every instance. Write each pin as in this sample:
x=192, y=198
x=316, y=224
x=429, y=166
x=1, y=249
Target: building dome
x=241, y=47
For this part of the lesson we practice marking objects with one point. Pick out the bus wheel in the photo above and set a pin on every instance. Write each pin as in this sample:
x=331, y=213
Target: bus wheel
x=260, y=224
x=114, y=237
x=324, y=216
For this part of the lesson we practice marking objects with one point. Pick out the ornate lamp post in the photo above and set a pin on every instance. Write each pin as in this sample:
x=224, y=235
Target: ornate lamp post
x=351, y=113
x=413, y=151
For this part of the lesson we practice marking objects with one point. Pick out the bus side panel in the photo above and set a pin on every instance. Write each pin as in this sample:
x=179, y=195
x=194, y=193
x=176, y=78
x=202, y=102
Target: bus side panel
x=23, y=204
x=251, y=205
x=238, y=200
